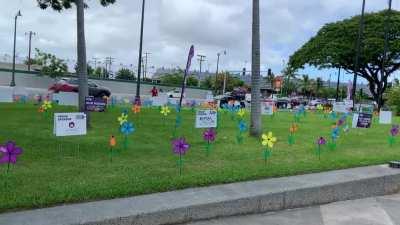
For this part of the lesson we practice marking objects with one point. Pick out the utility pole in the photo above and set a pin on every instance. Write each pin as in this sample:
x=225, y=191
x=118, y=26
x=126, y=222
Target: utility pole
x=337, y=85
x=358, y=50
x=201, y=59
x=30, y=33
x=146, y=56
x=137, y=98
x=95, y=60
x=12, y=84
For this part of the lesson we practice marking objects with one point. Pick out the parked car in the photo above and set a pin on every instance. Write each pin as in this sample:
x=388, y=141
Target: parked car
x=175, y=93
x=72, y=85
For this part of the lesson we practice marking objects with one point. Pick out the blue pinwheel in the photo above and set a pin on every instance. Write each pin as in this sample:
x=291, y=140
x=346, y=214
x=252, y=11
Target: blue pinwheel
x=242, y=126
x=127, y=128
x=334, y=136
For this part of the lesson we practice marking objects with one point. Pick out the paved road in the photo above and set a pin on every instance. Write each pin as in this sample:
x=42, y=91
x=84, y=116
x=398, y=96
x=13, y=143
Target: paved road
x=372, y=211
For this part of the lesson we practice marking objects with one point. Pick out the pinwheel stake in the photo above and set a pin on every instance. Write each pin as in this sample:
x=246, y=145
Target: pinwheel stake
x=9, y=154
x=113, y=143
x=180, y=147
x=209, y=136
x=242, y=128
x=293, y=130
x=394, y=132
x=320, y=142
x=268, y=140
x=334, y=136
x=127, y=128
x=165, y=111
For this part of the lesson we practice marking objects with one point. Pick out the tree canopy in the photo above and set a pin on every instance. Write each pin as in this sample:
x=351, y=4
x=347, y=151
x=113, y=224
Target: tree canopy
x=334, y=47
x=51, y=65
x=59, y=5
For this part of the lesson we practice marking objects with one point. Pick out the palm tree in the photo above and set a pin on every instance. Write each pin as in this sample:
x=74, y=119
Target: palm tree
x=255, y=123
x=305, y=85
x=60, y=5
x=318, y=85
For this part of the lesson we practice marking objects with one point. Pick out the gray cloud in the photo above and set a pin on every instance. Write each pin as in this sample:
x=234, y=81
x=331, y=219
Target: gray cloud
x=171, y=26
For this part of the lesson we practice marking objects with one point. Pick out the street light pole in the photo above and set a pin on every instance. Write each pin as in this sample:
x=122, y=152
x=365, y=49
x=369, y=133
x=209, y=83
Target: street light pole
x=337, y=86
x=216, y=74
x=137, y=98
x=358, y=49
x=12, y=84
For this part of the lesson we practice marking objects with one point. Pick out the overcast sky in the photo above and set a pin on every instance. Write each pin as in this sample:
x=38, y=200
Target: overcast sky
x=171, y=26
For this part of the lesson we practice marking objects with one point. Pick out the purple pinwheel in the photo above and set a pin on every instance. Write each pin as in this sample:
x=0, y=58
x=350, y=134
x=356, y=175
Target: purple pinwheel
x=180, y=146
x=321, y=141
x=341, y=122
x=395, y=130
x=209, y=135
x=9, y=153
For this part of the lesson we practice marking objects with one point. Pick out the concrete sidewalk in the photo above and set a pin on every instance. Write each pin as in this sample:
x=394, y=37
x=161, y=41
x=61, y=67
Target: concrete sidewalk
x=371, y=211
x=220, y=201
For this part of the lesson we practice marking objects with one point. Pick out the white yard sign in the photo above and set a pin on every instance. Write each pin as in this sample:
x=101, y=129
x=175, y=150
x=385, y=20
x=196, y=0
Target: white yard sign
x=385, y=117
x=69, y=124
x=206, y=119
x=267, y=108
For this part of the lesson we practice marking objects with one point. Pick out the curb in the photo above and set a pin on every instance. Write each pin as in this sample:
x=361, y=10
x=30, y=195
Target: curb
x=220, y=201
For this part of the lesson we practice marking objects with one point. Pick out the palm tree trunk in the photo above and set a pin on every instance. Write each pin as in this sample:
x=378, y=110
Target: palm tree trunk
x=255, y=125
x=82, y=65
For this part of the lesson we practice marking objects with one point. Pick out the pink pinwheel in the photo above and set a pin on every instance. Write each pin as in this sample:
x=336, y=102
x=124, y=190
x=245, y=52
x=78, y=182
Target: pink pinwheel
x=321, y=141
x=9, y=152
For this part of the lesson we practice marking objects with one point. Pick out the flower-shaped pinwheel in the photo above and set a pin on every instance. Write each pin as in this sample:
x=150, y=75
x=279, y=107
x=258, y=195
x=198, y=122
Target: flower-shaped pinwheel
x=242, y=126
x=123, y=119
x=46, y=105
x=335, y=133
x=136, y=108
x=268, y=140
x=320, y=107
x=209, y=135
x=241, y=113
x=9, y=153
x=293, y=128
x=40, y=109
x=321, y=141
x=394, y=131
x=165, y=110
x=341, y=121
x=180, y=146
x=127, y=128
x=113, y=141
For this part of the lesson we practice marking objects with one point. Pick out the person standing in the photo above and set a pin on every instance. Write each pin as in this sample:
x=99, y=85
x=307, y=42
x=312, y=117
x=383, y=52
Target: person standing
x=154, y=92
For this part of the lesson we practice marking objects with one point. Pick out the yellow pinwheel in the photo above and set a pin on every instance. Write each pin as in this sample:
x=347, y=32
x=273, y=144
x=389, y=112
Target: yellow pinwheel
x=47, y=105
x=123, y=118
x=268, y=140
x=320, y=107
x=241, y=113
x=165, y=110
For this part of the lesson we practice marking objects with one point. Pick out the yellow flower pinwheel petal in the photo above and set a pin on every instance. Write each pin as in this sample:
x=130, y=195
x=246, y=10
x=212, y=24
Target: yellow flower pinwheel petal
x=165, y=110
x=268, y=140
x=123, y=119
x=241, y=112
x=47, y=105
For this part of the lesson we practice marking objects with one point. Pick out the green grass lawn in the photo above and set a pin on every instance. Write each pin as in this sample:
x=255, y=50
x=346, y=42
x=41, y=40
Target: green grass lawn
x=54, y=170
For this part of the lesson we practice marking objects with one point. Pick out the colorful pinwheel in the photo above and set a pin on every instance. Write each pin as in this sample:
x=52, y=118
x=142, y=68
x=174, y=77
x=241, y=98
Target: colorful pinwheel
x=241, y=113
x=320, y=142
x=136, y=108
x=209, y=136
x=123, y=118
x=165, y=110
x=180, y=147
x=334, y=135
x=127, y=128
x=112, y=143
x=9, y=153
x=292, y=131
x=268, y=140
x=242, y=125
x=394, y=132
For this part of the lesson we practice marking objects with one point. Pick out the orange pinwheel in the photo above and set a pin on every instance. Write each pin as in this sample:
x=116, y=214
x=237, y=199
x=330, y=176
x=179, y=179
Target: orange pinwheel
x=113, y=141
x=40, y=110
x=136, y=108
x=293, y=129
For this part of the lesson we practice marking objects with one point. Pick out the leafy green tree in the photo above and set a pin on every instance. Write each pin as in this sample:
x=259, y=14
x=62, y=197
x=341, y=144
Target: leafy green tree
x=125, y=74
x=51, y=65
x=177, y=79
x=60, y=5
x=393, y=97
x=319, y=84
x=90, y=70
x=231, y=82
x=334, y=47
